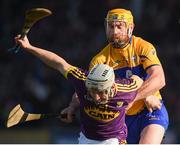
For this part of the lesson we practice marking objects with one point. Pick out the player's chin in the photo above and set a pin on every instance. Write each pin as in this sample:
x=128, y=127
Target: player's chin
x=118, y=39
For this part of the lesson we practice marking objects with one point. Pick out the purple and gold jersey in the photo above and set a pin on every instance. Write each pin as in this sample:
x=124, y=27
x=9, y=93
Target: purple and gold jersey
x=135, y=58
x=100, y=122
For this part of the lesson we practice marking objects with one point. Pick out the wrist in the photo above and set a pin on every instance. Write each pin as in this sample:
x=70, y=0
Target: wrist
x=30, y=47
x=73, y=106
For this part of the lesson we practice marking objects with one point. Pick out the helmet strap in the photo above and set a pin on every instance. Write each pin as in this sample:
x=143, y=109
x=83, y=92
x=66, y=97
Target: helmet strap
x=112, y=91
x=130, y=30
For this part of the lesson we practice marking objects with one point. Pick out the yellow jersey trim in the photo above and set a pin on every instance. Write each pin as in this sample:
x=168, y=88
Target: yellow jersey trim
x=129, y=87
x=76, y=73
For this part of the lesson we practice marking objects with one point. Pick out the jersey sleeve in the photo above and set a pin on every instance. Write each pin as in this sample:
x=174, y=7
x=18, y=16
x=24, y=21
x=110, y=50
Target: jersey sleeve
x=129, y=85
x=128, y=97
x=148, y=55
x=127, y=88
x=76, y=77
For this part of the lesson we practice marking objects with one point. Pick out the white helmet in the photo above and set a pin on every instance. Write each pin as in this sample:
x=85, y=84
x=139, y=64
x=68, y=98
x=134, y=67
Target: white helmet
x=101, y=77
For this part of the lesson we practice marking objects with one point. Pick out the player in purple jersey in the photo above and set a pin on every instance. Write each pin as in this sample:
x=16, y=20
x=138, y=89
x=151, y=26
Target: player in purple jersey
x=103, y=100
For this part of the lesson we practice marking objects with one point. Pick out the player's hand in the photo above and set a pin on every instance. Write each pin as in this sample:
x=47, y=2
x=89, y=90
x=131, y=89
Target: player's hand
x=70, y=111
x=23, y=42
x=152, y=103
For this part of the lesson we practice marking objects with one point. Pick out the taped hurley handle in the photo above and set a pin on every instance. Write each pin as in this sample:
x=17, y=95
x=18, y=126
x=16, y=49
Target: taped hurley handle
x=44, y=116
x=30, y=117
x=16, y=48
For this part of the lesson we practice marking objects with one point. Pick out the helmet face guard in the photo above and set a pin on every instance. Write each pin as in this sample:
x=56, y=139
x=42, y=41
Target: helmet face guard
x=119, y=17
x=101, y=78
x=103, y=96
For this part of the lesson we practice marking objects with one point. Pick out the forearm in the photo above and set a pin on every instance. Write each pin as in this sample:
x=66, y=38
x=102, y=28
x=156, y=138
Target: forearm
x=74, y=102
x=150, y=87
x=49, y=58
x=154, y=83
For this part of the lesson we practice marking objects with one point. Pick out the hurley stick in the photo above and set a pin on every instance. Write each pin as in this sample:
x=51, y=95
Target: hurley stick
x=31, y=17
x=18, y=115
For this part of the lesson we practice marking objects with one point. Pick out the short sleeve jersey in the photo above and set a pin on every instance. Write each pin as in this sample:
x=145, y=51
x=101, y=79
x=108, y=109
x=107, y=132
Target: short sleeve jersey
x=135, y=58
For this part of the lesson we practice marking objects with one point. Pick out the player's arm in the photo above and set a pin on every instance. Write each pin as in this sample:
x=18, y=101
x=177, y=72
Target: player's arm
x=153, y=67
x=154, y=83
x=49, y=58
x=152, y=102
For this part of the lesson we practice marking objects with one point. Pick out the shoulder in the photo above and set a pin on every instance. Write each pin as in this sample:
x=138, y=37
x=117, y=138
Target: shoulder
x=141, y=42
x=141, y=45
x=128, y=85
x=103, y=52
x=101, y=57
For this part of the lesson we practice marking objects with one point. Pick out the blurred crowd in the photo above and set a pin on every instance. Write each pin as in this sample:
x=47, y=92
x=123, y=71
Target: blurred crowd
x=76, y=31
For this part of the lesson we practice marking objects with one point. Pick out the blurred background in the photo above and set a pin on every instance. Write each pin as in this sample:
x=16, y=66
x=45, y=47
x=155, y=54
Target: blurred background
x=76, y=32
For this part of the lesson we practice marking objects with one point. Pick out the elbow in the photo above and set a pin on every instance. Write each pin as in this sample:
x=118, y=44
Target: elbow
x=162, y=83
x=160, y=76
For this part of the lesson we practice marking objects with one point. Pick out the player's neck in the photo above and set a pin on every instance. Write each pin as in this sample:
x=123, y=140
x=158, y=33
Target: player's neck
x=123, y=46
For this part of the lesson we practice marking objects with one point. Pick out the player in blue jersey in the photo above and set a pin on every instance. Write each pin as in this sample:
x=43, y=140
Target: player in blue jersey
x=103, y=99
x=129, y=54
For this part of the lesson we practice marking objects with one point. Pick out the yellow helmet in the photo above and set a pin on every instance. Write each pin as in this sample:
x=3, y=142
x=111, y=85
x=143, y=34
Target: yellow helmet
x=120, y=15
